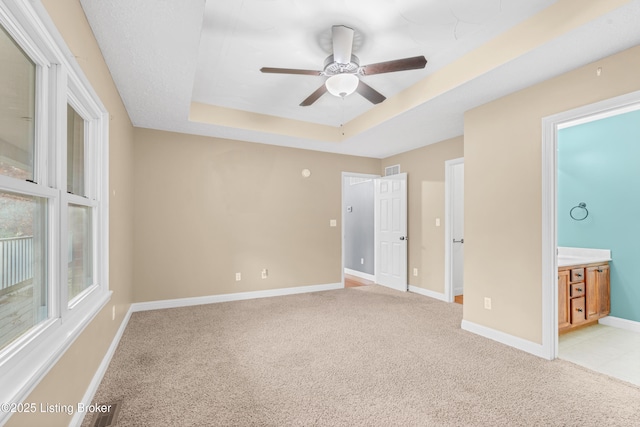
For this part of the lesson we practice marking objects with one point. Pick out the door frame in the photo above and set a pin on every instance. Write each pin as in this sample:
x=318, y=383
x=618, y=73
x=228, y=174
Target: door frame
x=343, y=217
x=550, y=126
x=448, y=226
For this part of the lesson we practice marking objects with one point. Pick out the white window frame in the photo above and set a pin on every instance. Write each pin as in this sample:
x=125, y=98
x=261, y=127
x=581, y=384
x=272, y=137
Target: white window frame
x=82, y=104
x=59, y=80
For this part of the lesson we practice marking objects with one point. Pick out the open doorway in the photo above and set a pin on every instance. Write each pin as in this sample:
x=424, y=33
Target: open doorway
x=374, y=220
x=597, y=164
x=580, y=146
x=358, y=248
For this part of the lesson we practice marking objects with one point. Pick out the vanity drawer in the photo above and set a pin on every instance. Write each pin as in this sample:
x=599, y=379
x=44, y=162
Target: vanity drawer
x=577, y=290
x=578, y=312
x=577, y=274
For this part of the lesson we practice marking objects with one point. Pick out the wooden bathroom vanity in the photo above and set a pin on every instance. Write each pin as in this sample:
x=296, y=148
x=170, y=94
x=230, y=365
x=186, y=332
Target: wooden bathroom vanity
x=583, y=287
x=583, y=294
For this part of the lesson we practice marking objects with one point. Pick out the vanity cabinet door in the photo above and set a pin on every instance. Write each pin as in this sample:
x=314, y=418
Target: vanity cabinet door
x=603, y=280
x=597, y=283
x=564, y=320
x=592, y=293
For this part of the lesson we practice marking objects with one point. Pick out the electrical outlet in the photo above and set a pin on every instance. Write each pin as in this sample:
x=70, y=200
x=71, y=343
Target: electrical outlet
x=362, y=261
x=113, y=313
x=487, y=303
x=333, y=223
x=238, y=277
x=415, y=272
x=265, y=273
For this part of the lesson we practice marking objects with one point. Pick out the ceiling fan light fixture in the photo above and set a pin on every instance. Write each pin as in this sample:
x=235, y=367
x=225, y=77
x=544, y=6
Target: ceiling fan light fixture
x=342, y=85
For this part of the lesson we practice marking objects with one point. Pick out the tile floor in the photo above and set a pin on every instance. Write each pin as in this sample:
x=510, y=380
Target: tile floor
x=611, y=351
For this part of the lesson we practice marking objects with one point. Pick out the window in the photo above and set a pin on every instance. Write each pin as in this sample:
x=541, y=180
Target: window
x=17, y=109
x=75, y=152
x=80, y=256
x=23, y=217
x=53, y=193
x=23, y=290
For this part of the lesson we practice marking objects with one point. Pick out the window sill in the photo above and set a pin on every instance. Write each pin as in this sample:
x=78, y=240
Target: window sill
x=39, y=354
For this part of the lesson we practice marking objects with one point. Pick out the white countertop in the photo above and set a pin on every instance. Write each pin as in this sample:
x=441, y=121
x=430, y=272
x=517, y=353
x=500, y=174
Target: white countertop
x=578, y=256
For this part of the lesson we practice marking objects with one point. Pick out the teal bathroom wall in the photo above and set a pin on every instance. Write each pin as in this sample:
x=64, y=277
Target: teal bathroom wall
x=599, y=164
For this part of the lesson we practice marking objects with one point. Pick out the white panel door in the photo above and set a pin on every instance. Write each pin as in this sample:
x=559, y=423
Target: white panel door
x=391, y=231
x=457, y=229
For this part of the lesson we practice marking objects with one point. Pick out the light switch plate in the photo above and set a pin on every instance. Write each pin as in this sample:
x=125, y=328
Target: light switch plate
x=333, y=223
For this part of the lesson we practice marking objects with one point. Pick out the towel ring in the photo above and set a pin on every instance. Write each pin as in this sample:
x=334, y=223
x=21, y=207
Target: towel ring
x=581, y=205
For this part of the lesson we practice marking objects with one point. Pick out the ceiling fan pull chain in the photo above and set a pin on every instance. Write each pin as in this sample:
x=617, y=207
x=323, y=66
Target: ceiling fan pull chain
x=342, y=118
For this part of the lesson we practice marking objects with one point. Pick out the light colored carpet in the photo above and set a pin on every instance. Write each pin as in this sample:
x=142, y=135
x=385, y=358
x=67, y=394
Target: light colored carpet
x=365, y=356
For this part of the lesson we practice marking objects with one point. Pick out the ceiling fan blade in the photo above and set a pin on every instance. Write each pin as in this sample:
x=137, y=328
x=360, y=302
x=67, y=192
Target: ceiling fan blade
x=290, y=71
x=370, y=93
x=413, y=63
x=314, y=96
x=342, y=43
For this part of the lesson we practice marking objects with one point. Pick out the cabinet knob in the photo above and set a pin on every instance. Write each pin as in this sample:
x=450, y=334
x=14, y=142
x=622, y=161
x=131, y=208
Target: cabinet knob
x=579, y=274
x=600, y=270
x=579, y=289
x=579, y=310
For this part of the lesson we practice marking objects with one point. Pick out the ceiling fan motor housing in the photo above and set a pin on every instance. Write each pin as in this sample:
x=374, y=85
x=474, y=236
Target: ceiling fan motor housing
x=331, y=67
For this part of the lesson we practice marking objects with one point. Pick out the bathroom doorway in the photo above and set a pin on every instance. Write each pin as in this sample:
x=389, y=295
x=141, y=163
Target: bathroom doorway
x=578, y=148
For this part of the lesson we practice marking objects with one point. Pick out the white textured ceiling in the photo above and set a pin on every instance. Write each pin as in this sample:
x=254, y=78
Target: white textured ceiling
x=238, y=38
x=166, y=54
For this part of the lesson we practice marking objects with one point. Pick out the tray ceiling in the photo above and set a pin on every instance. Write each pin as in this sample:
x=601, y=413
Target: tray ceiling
x=194, y=66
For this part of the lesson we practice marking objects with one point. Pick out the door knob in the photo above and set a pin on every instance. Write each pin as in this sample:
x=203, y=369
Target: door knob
x=404, y=238
x=458, y=241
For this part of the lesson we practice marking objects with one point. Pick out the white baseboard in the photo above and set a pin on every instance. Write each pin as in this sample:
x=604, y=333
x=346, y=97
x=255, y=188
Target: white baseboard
x=212, y=299
x=618, y=322
x=427, y=293
x=360, y=274
x=400, y=288
x=504, y=338
x=87, y=399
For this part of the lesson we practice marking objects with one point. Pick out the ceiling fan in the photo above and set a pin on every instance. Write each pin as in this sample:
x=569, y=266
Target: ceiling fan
x=343, y=70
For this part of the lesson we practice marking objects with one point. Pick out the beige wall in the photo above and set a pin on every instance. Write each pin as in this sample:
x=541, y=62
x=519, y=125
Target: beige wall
x=425, y=194
x=503, y=231
x=241, y=207
x=67, y=382
x=207, y=208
